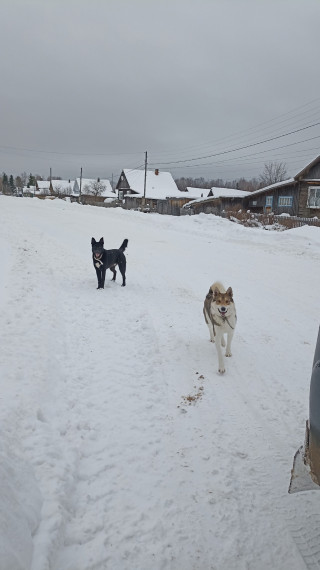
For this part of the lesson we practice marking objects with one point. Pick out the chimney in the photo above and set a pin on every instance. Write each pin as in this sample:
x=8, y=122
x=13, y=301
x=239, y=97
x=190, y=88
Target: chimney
x=156, y=171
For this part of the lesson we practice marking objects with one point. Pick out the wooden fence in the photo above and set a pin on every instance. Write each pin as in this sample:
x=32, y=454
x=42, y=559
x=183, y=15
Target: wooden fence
x=289, y=222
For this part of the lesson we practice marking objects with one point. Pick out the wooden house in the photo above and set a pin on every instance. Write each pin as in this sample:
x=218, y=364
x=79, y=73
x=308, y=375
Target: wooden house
x=217, y=201
x=54, y=187
x=155, y=185
x=157, y=192
x=297, y=196
x=94, y=189
x=43, y=187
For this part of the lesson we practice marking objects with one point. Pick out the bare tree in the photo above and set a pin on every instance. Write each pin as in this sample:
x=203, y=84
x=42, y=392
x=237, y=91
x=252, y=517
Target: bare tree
x=19, y=184
x=96, y=188
x=24, y=178
x=273, y=172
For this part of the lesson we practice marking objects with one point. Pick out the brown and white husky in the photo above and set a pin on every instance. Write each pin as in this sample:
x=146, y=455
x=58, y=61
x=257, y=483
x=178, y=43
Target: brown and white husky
x=220, y=315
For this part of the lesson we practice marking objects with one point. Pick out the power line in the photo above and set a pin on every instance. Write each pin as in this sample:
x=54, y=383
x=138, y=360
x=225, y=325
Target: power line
x=241, y=147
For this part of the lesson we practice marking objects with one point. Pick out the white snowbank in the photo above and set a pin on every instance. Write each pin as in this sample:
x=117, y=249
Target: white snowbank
x=111, y=407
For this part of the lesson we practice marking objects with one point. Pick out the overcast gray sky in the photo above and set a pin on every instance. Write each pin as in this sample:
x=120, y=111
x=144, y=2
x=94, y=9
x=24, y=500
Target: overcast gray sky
x=96, y=83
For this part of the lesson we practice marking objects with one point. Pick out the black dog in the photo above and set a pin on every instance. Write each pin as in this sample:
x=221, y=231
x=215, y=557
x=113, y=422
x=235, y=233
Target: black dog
x=104, y=259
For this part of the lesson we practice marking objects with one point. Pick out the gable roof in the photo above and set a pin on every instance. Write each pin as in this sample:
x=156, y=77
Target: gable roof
x=306, y=169
x=158, y=186
x=43, y=184
x=289, y=181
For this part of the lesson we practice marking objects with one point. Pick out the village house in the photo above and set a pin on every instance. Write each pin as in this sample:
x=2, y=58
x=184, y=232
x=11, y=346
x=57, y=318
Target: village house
x=217, y=201
x=158, y=192
x=99, y=189
x=62, y=187
x=43, y=187
x=159, y=185
x=53, y=187
x=297, y=196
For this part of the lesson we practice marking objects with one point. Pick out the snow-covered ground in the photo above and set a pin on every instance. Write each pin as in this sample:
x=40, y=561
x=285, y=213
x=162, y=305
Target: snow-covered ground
x=121, y=446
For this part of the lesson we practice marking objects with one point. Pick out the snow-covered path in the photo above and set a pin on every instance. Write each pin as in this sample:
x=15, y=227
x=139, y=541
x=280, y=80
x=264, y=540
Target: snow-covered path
x=132, y=474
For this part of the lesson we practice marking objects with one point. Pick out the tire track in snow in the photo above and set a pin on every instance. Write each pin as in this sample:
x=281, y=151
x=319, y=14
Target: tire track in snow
x=118, y=496
x=256, y=420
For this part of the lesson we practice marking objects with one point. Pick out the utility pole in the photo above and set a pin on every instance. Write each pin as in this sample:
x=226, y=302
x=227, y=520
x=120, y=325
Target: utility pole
x=145, y=177
x=50, y=185
x=80, y=184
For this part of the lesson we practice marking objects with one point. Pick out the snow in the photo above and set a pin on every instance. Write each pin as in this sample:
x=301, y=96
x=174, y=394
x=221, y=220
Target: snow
x=86, y=183
x=122, y=447
x=65, y=186
x=198, y=192
x=276, y=185
x=228, y=193
x=158, y=186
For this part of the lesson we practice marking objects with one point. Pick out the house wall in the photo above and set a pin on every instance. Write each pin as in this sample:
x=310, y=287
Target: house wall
x=123, y=184
x=276, y=193
x=304, y=211
x=217, y=205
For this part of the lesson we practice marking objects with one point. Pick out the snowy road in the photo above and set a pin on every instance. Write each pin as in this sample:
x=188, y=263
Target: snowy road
x=95, y=388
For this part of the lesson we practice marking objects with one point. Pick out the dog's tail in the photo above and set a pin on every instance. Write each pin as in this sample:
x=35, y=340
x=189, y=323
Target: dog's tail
x=123, y=245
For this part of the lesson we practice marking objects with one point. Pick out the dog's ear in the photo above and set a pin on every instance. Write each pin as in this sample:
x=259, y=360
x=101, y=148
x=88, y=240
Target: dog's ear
x=101, y=241
x=209, y=294
x=229, y=292
x=215, y=292
x=93, y=241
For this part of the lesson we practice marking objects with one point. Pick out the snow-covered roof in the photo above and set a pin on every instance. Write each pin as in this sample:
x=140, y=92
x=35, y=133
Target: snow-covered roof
x=271, y=186
x=198, y=192
x=62, y=185
x=43, y=184
x=228, y=193
x=158, y=186
x=87, y=182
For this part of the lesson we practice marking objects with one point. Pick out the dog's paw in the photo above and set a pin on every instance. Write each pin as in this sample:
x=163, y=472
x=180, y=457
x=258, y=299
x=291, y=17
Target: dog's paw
x=221, y=370
x=211, y=339
x=228, y=353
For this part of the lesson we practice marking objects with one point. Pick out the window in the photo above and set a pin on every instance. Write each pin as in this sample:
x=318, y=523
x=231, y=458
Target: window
x=314, y=197
x=269, y=201
x=285, y=201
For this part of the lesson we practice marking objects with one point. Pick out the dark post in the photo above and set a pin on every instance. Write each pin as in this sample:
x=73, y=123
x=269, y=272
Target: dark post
x=80, y=184
x=145, y=177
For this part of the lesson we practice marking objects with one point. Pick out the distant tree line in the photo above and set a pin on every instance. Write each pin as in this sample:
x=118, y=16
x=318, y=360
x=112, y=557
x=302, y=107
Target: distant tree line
x=12, y=185
x=273, y=172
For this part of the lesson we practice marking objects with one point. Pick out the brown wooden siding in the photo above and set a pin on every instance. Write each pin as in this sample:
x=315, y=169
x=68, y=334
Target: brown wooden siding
x=304, y=211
